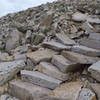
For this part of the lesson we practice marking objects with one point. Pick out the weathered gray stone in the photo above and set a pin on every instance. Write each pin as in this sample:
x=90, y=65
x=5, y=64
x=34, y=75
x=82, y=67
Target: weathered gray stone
x=86, y=94
x=94, y=36
x=65, y=39
x=96, y=88
x=26, y=90
x=69, y=90
x=18, y=56
x=13, y=40
x=28, y=36
x=38, y=39
x=9, y=69
x=90, y=43
x=93, y=20
x=41, y=55
x=56, y=46
x=86, y=51
x=95, y=70
x=40, y=79
x=64, y=64
x=79, y=58
x=79, y=17
x=51, y=70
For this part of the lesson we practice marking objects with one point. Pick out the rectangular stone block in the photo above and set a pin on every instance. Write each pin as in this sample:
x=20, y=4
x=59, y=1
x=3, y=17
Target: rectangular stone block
x=86, y=50
x=65, y=39
x=40, y=79
x=26, y=91
x=79, y=58
x=63, y=64
x=90, y=43
x=9, y=69
x=56, y=46
x=41, y=55
x=52, y=71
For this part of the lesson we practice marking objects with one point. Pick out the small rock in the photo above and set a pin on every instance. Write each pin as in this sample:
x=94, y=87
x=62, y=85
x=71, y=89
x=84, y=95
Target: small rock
x=95, y=70
x=94, y=36
x=40, y=79
x=86, y=94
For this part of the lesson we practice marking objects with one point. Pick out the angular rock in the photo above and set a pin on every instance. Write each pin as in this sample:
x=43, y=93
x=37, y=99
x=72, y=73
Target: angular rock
x=3, y=89
x=56, y=46
x=5, y=57
x=63, y=64
x=90, y=43
x=94, y=36
x=95, y=70
x=52, y=71
x=65, y=39
x=79, y=17
x=79, y=58
x=13, y=40
x=38, y=39
x=86, y=94
x=85, y=50
x=26, y=91
x=41, y=55
x=9, y=69
x=40, y=79
x=69, y=90
x=93, y=20
x=96, y=88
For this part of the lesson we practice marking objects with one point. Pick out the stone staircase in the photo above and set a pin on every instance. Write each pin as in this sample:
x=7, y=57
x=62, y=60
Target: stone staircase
x=52, y=66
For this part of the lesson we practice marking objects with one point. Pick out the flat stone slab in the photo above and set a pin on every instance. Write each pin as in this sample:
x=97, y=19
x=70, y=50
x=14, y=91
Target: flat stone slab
x=26, y=91
x=79, y=58
x=94, y=36
x=52, y=71
x=64, y=39
x=86, y=50
x=90, y=43
x=41, y=55
x=40, y=79
x=95, y=70
x=9, y=69
x=63, y=64
x=56, y=46
x=69, y=90
x=86, y=94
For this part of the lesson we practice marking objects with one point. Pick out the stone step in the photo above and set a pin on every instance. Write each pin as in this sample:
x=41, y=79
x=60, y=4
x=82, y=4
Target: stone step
x=63, y=64
x=69, y=90
x=79, y=58
x=41, y=55
x=55, y=46
x=95, y=70
x=26, y=91
x=64, y=39
x=86, y=50
x=90, y=43
x=52, y=71
x=40, y=79
x=9, y=69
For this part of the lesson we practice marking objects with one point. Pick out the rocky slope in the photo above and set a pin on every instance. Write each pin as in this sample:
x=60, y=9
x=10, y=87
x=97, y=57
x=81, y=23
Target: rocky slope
x=51, y=52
